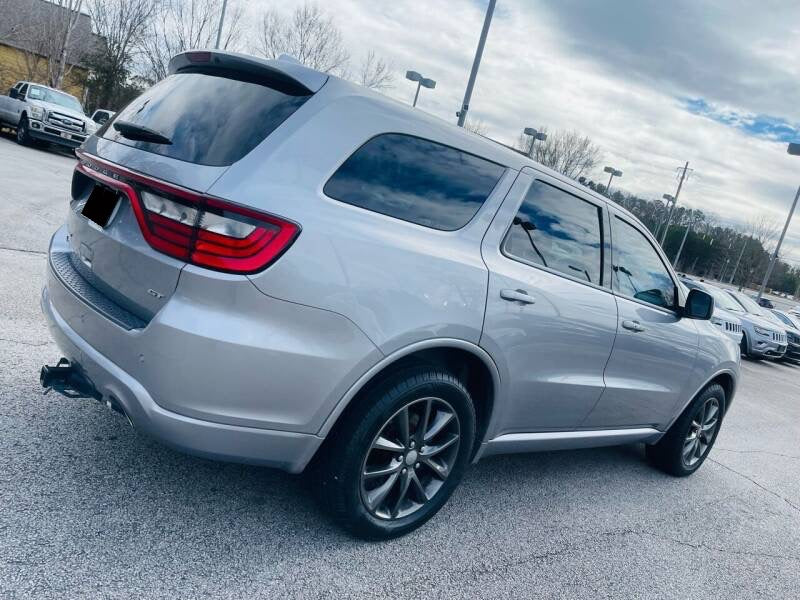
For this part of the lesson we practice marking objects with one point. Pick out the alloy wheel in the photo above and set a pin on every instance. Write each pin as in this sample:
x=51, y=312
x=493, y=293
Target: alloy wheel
x=410, y=458
x=701, y=432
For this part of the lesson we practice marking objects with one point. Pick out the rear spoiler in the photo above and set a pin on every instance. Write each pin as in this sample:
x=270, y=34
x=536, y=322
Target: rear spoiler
x=288, y=76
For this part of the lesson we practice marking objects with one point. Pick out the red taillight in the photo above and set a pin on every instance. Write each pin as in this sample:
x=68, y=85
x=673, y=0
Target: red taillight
x=199, y=229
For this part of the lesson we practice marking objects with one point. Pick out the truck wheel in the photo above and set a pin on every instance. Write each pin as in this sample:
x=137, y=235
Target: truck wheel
x=396, y=458
x=23, y=134
x=686, y=444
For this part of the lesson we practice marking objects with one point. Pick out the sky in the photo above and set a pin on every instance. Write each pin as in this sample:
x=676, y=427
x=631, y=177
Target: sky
x=653, y=83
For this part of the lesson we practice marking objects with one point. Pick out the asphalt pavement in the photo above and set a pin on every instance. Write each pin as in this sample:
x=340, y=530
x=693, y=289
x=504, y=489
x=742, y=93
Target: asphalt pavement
x=89, y=508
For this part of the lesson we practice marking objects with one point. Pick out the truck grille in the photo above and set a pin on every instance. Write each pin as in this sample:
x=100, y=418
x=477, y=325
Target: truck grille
x=734, y=327
x=65, y=122
x=779, y=337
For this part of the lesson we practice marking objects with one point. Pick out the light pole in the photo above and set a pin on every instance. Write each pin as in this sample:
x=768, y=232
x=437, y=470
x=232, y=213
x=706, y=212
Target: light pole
x=683, y=241
x=669, y=198
x=421, y=82
x=534, y=135
x=614, y=173
x=462, y=114
x=674, y=202
x=794, y=150
x=738, y=260
x=221, y=21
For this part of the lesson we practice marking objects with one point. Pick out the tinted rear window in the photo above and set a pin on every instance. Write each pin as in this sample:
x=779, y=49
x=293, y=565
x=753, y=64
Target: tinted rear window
x=415, y=180
x=211, y=120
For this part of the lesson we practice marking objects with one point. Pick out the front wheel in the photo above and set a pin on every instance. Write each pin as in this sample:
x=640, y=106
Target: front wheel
x=23, y=134
x=395, y=460
x=687, y=443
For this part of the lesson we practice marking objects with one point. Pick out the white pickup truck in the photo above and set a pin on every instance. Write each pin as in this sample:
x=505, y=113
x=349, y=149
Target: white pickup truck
x=41, y=113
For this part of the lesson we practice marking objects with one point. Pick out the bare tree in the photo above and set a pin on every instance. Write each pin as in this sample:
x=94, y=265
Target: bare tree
x=565, y=151
x=122, y=25
x=310, y=36
x=375, y=73
x=69, y=15
x=476, y=126
x=181, y=25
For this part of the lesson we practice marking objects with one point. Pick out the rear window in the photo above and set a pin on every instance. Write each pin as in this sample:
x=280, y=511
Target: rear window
x=415, y=180
x=211, y=120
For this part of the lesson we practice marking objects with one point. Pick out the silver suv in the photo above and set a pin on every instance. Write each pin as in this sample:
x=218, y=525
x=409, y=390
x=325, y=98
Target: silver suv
x=326, y=280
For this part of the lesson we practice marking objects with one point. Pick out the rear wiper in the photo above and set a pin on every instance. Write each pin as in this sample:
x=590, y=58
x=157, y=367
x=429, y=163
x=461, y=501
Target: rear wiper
x=132, y=131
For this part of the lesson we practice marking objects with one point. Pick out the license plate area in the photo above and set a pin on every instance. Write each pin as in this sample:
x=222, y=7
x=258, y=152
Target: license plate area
x=101, y=205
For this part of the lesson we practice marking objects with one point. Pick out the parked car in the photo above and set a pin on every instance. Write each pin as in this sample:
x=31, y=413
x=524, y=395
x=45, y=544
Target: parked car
x=764, y=302
x=101, y=115
x=792, y=325
x=342, y=284
x=762, y=338
x=727, y=312
x=43, y=114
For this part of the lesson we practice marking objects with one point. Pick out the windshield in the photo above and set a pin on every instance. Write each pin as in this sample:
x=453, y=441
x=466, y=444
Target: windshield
x=749, y=305
x=53, y=97
x=786, y=319
x=723, y=300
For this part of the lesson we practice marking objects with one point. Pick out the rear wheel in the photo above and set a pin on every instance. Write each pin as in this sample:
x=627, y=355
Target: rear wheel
x=687, y=443
x=395, y=460
x=23, y=133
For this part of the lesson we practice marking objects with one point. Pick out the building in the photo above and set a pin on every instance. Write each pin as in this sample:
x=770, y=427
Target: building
x=30, y=40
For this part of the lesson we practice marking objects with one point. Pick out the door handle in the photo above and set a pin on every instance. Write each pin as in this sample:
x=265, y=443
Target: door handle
x=633, y=326
x=517, y=296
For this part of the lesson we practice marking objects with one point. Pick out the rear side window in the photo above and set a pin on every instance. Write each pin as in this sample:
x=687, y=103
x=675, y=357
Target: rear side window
x=638, y=269
x=559, y=231
x=211, y=120
x=415, y=180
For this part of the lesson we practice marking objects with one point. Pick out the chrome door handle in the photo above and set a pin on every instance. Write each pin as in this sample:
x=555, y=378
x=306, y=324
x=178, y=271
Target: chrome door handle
x=517, y=296
x=633, y=326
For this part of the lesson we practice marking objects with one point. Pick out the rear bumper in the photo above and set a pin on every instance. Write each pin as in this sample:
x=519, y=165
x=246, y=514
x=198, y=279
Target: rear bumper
x=221, y=370
x=280, y=449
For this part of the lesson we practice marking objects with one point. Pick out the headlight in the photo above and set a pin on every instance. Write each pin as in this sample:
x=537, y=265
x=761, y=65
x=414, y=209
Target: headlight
x=37, y=112
x=762, y=331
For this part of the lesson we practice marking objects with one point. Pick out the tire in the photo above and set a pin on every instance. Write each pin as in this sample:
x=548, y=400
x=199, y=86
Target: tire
x=685, y=446
x=369, y=440
x=23, y=136
x=743, y=345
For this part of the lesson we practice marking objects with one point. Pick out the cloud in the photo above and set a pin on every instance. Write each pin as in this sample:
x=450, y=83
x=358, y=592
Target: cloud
x=623, y=73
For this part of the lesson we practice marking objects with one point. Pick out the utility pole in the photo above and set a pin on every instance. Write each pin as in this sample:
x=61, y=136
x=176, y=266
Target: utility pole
x=738, y=260
x=674, y=203
x=683, y=241
x=462, y=114
x=221, y=22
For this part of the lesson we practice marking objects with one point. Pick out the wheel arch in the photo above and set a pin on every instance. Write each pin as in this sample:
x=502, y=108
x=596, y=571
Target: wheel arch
x=464, y=359
x=726, y=378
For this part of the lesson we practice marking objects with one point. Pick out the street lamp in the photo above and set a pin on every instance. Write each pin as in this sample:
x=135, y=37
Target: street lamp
x=614, y=173
x=534, y=135
x=670, y=202
x=476, y=63
x=794, y=150
x=421, y=82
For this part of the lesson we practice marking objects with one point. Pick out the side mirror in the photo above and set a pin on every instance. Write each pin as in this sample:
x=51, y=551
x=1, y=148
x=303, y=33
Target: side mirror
x=699, y=305
x=13, y=92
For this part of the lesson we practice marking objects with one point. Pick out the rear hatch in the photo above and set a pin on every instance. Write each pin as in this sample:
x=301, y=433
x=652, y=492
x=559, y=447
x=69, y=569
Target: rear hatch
x=139, y=212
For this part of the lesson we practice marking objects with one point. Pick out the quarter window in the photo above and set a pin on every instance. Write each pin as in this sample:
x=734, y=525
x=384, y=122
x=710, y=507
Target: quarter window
x=638, y=269
x=559, y=231
x=415, y=180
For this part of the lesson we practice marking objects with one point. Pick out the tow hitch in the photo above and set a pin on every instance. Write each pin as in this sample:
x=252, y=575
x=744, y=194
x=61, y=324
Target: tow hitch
x=67, y=380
